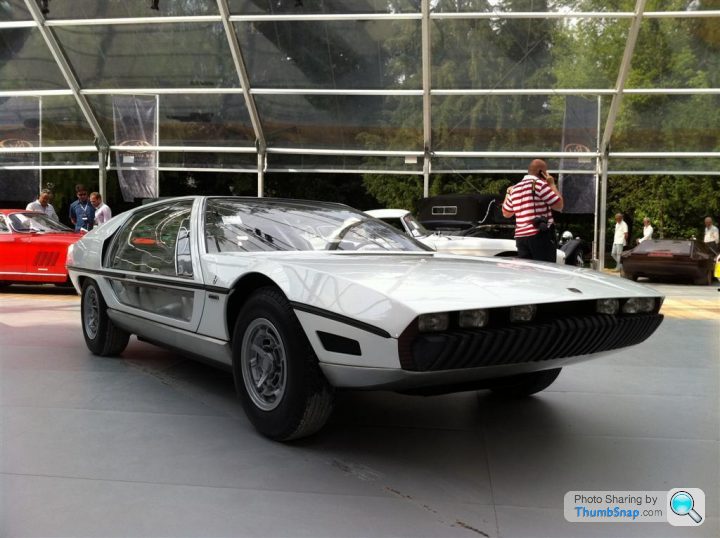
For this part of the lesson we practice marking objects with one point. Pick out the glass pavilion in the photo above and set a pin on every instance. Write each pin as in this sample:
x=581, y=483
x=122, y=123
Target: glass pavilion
x=396, y=87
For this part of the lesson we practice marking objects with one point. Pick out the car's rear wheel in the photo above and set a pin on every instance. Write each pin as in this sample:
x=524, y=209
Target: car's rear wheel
x=102, y=336
x=705, y=280
x=277, y=376
x=521, y=385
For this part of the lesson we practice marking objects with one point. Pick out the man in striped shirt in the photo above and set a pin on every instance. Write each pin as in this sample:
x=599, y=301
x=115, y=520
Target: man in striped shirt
x=531, y=202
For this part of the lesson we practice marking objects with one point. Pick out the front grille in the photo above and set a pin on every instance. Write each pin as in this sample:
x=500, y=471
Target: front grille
x=554, y=339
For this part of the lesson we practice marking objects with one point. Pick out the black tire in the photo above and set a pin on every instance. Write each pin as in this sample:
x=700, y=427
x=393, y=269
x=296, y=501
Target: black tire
x=277, y=376
x=102, y=336
x=705, y=280
x=521, y=385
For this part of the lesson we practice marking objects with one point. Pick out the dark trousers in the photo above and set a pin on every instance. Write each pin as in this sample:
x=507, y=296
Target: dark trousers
x=712, y=247
x=540, y=247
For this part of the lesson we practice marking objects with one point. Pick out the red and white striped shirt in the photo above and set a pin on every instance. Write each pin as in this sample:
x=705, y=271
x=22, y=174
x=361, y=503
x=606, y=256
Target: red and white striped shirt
x=530, y=198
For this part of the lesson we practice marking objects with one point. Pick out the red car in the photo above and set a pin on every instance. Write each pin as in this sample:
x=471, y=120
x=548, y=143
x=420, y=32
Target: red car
x=33, y=247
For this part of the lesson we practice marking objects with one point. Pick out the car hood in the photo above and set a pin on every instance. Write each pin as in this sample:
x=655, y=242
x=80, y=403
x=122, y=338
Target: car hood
x=391, y=289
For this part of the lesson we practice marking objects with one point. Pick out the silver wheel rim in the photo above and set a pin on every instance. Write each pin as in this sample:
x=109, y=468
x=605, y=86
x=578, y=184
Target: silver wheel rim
x=91, y=312
x=264, y=364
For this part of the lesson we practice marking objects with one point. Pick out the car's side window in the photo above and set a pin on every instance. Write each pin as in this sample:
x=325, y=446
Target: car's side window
x=3, y=225
x=155, y=241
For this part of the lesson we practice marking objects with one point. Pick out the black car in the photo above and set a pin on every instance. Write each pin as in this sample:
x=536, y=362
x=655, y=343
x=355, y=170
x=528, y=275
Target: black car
x=670, y=258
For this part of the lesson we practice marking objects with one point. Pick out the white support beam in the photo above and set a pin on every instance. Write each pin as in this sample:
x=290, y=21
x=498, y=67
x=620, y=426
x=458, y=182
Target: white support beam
x=427, y=85
x=277, y=17
x=118, y=21
x=239, y=62
x=613, y=111
x=623, y=74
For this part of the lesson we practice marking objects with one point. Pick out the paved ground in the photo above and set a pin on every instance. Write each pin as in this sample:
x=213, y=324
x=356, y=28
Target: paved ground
x=151, y=444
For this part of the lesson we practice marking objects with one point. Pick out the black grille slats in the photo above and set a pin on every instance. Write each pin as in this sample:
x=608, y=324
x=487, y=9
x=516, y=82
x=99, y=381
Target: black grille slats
x=554, y=339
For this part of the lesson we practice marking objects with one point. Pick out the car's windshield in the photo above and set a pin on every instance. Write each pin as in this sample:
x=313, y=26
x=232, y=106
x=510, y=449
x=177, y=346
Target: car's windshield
x=416, y=229
x=36, y=222
x=241, y=225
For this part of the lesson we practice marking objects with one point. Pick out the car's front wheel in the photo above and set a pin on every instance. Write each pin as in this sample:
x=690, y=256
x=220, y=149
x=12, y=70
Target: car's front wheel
x=521, y=385
x=277, y=376
x=102, y=336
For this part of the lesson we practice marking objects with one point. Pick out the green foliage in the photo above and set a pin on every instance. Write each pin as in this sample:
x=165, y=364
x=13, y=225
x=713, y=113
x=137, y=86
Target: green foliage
x=675, y=205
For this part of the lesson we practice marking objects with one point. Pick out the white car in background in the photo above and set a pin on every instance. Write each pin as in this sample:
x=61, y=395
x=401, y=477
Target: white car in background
x=403, y=220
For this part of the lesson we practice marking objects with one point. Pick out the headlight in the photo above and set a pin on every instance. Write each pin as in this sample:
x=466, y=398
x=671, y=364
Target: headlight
x=433, y=322
x=472, y=319
x=522, y=313
x=69, y=258
x=639, y=305
x=608, y=306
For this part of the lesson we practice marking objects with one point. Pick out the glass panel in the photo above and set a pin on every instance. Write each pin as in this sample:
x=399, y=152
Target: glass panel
x=70, y=159
x=169, y=302
x=14, y=10
x=517, y=53
x=660, y=166
x=191, y=120
x=147, y=56
x=497, y=123
x=19, y=130
x=63, y=123
x=339, y=163
x=689, y=52
x=510, y=167
x=300, y=7
x=349, y=122
x=332, y=54
x=238, y=225
x=108, y=9
x=680, y=5
x=535, y=6
x=205, y=120
x=209, y=160
x=660, y=123
x=147, y=242
x=186, y=183
x=26, y=63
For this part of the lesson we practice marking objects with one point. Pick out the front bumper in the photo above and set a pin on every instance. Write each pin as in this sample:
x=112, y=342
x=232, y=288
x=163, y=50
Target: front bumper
x=457, y=359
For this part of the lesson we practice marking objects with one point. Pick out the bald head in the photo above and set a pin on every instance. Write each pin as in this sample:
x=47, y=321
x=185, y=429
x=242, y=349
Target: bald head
x=536, y=166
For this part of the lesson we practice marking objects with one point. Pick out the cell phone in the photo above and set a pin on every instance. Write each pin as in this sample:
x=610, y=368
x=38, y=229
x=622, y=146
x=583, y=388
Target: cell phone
x=541, y=174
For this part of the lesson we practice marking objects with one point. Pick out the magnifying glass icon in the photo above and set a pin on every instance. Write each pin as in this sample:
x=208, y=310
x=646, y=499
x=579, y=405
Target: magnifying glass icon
x=682, y=504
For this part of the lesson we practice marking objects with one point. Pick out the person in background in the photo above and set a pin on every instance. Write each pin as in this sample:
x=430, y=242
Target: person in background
x=647, y=231
x=712, y=237
x=43, y=205
x=82, y=213
x=531, y=201
x=102, y=211
x=619, y=240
